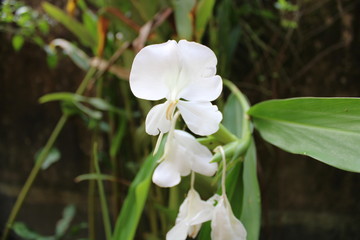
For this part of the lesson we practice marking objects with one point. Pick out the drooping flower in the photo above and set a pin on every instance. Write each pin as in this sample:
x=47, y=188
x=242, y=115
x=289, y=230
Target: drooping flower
x=182, y=155
x=193, y=212
x=184, y=74
x=224, y=225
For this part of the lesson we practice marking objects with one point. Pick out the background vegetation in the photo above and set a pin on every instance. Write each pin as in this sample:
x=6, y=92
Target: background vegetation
x=269, y=49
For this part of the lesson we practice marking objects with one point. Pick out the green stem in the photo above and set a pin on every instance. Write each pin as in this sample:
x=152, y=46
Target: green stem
x=91, y=205
x=24, y=191
x=43, y=155
x=103, y=203
x=224, y=135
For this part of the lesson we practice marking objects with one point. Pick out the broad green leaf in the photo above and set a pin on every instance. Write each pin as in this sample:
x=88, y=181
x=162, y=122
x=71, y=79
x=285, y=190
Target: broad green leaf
x=204, y=11
x=327, y=129
x=233, y=116
x=71, y=24
x=133, y=206
x=17, y=42
x=251, y=203
x=183, y=18
x=63, y=224
x=52, y=157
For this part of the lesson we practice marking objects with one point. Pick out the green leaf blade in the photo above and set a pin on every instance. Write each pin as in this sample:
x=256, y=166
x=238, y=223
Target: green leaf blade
x=71, y=24
x=327, y=129
x=134, y=203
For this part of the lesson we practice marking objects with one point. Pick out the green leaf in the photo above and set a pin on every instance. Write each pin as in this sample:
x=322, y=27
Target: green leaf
x=60, y=96
x=251, y=203
x=133, y=206
x=63, y=224
x=17, y=42
x=183, y=18
x=94, y=176
x=204, y=11
x=53, y=156
x=78, y=56
x=327, y=129
x=242, y=183
x=116, y=141
x=24, y=232
x=71, y=24
x=233, y=116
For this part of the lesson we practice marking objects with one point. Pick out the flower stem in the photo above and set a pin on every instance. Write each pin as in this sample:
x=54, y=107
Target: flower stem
x=192, y=180
x=103, y=203
x=223, y=177
x=25, y=189
x=43, y=155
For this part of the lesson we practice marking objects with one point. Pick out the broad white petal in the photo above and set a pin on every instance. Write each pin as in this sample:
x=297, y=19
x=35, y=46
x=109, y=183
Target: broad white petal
x=202, y=118
x=156, y=119
x=197, y=76
x=152, y=69
x=224, y=225
x=178, y=155
x=166, y=175
x=199, y=211
x=199, y=155
x=178, y=232
x=192, y=213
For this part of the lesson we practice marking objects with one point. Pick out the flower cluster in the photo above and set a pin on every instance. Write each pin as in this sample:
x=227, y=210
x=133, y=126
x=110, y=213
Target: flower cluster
x=184, y=74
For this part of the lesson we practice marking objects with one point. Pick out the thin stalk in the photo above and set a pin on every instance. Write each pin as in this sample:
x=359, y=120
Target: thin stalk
x=91, y=205
x=103, y=203
x=34, y=172
x=223, y=177
x=43, y=155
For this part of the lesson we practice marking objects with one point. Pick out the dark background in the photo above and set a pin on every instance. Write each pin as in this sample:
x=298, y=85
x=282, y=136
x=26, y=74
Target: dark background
x=301, y=197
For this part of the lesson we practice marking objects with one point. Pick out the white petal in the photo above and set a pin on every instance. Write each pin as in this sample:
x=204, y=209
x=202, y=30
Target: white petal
x=156, y=119
x=153, y=67
x=199, y=211
x=166, y=175
x=224, y=225
x=192, y=213
x=198, y=72
x=178, y=232
x=178, y=156
x=202, y=118
x=199, y=155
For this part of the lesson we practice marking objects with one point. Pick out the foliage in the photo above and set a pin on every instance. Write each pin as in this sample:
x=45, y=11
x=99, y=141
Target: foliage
x=106, y=37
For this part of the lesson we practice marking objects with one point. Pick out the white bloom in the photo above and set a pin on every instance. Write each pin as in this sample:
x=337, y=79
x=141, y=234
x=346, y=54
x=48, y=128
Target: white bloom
x=224, y=225
x=184, y=74
x=181, y=155
x=193, y=212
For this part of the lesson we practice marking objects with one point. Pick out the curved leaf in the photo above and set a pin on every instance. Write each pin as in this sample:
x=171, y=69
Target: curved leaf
x=327, y=129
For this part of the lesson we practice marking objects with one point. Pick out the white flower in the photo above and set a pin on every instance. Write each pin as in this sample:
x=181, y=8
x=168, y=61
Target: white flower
x=224, y=225
x=184, y=74
x=181, y=155
x=193, y=212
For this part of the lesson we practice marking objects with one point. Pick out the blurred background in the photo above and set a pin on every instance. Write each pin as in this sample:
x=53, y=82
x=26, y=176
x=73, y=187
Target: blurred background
x=269, y=49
